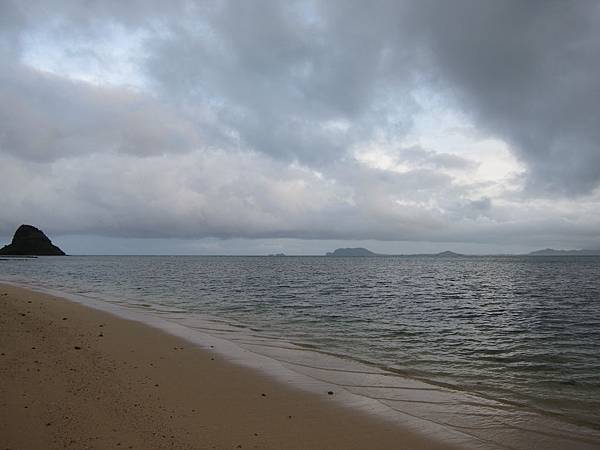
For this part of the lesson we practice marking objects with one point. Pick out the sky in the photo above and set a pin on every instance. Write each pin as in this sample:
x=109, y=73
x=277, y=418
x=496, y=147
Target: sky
x=234, y=127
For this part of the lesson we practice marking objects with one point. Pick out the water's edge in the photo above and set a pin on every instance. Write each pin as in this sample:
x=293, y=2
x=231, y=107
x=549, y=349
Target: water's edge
x=467, y=420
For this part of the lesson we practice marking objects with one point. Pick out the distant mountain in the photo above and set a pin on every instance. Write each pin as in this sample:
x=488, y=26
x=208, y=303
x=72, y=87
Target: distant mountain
x=29, y=240
x=448, y=254
x=553, y=252
x=359, y=251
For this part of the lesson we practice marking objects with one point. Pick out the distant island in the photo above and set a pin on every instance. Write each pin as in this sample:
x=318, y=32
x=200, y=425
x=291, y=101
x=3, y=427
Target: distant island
x=447, y=254
x=360, y=251
x=553, y=252
x=30, y=241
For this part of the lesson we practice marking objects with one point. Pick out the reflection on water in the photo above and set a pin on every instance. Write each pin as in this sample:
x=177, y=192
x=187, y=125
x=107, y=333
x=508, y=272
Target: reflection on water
x=521, y=331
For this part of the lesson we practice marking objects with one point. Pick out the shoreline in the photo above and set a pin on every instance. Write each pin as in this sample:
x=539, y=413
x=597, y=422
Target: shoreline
x=78, y=377
x=424, y=414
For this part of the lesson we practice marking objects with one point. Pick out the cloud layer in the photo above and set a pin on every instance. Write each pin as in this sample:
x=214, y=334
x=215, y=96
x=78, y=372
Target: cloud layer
x=472, y=122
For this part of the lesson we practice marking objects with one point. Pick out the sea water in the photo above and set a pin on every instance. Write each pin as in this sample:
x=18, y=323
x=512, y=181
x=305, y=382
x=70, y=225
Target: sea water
x=520, y=334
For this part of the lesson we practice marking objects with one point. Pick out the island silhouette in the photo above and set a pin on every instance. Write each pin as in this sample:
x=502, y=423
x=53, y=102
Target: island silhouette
x=30, y=241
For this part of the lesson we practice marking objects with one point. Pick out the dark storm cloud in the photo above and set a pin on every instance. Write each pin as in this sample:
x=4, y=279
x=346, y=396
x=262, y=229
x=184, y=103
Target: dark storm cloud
x=292, y=83
x=276, y=72
x=44, y=117
x=527, y=72
x=530, y=73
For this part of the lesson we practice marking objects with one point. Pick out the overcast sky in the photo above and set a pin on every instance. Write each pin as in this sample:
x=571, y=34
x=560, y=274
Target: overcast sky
x=242, y=127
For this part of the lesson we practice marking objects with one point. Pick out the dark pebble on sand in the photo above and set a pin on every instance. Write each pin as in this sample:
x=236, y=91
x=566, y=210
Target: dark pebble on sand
x=48, y=424
x=64, y=318
x=156, y=385
x=100, y=335
x=263, y=395
x=77, y=347
x=329, y=392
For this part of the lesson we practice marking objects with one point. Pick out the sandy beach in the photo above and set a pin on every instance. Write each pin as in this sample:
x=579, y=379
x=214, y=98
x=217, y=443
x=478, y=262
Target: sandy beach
x=75, y=377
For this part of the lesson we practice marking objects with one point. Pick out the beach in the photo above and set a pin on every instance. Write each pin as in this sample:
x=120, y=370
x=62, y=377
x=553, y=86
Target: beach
x=75, y=377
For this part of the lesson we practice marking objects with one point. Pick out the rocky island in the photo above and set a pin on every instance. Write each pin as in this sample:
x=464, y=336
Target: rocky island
x=359, y=251
x=30, y=241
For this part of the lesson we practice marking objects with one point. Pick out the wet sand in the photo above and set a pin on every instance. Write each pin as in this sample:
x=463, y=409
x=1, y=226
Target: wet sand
x=75, y=377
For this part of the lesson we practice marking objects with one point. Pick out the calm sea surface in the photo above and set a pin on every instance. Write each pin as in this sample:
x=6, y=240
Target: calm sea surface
x=524, y=331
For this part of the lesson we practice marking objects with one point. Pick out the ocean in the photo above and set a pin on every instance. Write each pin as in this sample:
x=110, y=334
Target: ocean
x=503, y=342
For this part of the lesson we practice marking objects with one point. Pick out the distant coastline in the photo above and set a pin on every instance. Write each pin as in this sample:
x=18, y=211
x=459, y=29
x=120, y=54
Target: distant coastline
x=553, y=252
x=363, y=252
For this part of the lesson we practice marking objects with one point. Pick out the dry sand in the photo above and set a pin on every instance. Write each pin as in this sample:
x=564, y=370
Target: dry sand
x=75, y=377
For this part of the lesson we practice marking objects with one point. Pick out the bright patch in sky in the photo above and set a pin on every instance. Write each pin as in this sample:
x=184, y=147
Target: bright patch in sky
x=111, y=57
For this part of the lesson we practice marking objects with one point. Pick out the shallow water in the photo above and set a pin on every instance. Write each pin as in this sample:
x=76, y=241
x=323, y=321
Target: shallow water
x=520, y=332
